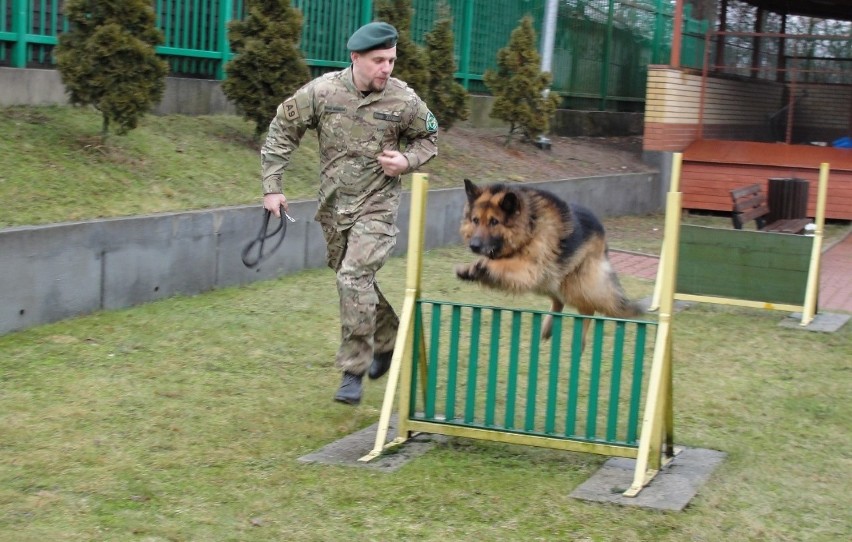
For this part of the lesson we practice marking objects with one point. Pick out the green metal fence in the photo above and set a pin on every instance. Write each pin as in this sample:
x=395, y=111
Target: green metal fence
x=486, y=368
x=602, y=47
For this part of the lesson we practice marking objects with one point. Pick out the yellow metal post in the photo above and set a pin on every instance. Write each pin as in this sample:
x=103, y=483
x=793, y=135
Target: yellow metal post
x=812, y=289
x=658, y=404
x=402, y=351
x=677, y=164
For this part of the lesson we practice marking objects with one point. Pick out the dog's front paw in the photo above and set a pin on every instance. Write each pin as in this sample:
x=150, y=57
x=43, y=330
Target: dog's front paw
x=473, y=271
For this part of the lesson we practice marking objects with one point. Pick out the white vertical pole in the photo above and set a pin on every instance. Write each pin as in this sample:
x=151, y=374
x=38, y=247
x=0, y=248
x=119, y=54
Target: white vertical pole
x=549, y=35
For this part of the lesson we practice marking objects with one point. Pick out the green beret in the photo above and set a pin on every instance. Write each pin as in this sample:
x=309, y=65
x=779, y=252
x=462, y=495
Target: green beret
x=372, y=36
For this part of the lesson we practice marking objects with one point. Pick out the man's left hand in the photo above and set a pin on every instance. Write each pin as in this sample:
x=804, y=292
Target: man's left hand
x=394, y=163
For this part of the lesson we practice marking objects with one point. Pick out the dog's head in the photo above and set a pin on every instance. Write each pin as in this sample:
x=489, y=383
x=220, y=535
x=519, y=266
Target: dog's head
x=490, y=215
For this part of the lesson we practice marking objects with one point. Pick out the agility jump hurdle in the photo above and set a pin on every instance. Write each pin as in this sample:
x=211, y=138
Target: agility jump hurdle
x=482, y=372
x=767, y=270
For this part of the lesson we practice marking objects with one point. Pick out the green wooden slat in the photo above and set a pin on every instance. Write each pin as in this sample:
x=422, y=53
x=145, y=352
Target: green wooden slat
x=512, y=384
x=415, y=357
x=574, y=378
x=615, y=382
x=473, y=357
x=196, y=25
x=167, y=25
x=493, y=368
x=453, y=361
x=636, y=384
x=205, y=27
x=553, y=380
x=532, y=372
x=594, y=381
x=432, y=369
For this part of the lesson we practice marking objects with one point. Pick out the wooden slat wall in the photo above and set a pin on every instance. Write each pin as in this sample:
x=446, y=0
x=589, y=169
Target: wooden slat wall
x=707, y=186
x=737, y=108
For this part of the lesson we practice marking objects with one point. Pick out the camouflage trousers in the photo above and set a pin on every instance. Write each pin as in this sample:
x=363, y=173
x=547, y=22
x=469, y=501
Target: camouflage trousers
x=368, y=323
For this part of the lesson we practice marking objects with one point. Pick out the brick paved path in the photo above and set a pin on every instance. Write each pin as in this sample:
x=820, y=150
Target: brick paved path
x=835, y=286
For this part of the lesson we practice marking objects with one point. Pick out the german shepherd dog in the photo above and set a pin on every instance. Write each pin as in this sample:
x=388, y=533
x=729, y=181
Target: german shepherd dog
x=529, y=240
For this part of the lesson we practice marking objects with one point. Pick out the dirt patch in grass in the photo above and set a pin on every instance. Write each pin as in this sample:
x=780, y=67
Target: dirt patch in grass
x=481, y=154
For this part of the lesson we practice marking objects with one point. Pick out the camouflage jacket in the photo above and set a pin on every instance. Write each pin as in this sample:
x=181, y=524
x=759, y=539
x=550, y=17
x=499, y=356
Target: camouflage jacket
x=352, y=131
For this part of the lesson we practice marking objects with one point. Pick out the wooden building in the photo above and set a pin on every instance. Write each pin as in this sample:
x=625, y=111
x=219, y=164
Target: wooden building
x=768, y=102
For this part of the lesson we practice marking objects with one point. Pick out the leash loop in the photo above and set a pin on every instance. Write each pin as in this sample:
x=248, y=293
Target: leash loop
x=262, y=235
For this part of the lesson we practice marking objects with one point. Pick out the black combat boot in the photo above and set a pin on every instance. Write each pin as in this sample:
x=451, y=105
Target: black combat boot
x=381, y=364
x=349, y=391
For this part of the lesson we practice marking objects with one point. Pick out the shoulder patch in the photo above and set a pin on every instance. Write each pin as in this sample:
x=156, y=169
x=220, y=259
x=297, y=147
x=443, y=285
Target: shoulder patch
x=431, y=123
x=291, y=110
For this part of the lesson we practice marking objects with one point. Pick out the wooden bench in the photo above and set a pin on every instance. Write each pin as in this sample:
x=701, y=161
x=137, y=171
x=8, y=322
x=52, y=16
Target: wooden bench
x=750, y=204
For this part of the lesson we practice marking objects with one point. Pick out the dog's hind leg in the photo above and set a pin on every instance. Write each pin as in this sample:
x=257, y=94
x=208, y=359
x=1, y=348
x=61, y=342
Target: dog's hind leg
x=547, y=328
x=585, y=311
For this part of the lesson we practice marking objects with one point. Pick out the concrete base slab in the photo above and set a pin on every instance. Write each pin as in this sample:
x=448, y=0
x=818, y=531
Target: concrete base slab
x=348, y=450
x=824, y=322
x=672, y=489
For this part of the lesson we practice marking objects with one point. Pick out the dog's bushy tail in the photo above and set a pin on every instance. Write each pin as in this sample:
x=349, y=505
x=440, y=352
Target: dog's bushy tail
x=620, y=306
x=628, y=308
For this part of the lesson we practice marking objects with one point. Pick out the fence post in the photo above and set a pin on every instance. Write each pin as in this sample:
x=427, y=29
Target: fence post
x=606, y=56
x=659, y=30
x=226, y=9
x=366, y=11
x=20, y=16
x=465, y=40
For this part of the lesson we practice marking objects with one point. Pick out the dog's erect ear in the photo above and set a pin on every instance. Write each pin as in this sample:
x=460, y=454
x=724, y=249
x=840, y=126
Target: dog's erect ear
x=472, y=190
x=510, y=203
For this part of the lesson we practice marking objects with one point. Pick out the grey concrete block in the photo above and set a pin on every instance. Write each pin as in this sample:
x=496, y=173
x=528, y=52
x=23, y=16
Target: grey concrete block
x=824, y=322
x=672, y=489
x=46, y=276
x=155, y=257
x=348, y=450
x=31, y=87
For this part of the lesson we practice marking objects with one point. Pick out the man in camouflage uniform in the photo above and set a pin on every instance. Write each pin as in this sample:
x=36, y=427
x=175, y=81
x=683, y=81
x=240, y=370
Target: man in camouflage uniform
x=361, y=116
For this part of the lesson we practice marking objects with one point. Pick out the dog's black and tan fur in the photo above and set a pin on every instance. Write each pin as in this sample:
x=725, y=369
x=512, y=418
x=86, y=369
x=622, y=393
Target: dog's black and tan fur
x=529, y=240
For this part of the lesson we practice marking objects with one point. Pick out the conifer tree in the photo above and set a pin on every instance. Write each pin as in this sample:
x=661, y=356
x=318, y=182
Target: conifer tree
x=411, y=64
x=268, y=65
x=107, y=59
x=519, y=85
x=447, y=99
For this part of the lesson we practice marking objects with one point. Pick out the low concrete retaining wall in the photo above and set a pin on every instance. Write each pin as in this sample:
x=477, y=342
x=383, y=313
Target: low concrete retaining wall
x=182, y=96
x=58, y=271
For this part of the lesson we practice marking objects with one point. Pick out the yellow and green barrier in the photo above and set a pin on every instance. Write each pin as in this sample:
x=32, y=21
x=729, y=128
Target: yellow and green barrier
x=482, y=372
x=767, y=270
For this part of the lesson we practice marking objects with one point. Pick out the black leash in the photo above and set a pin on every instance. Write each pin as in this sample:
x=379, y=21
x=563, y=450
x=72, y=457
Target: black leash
x=263, y=235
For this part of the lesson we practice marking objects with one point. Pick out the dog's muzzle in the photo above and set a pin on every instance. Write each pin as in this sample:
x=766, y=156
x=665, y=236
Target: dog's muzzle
x=489, y=249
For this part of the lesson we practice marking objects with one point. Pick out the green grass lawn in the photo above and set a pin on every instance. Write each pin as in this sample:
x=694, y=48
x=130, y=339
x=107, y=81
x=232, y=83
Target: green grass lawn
x=184, y=419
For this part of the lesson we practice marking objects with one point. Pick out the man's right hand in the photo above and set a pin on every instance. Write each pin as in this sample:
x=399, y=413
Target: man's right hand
x=273, y=202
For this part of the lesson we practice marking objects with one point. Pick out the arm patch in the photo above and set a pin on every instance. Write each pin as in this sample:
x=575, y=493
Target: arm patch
x=291, y=110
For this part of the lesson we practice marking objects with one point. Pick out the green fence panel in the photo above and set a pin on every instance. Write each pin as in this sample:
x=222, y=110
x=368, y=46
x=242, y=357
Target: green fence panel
x=600, y=58
x=741, y=264
x=522, y=387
